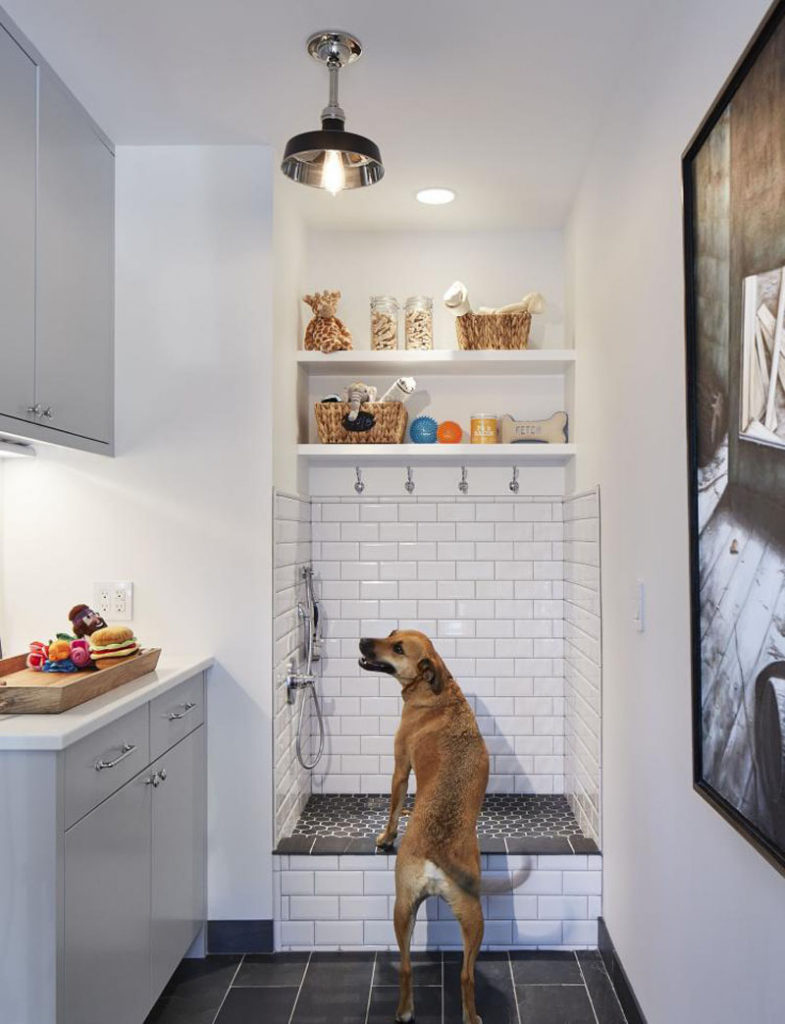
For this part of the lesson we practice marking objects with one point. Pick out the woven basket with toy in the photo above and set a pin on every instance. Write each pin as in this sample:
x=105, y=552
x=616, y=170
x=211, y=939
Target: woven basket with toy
x=356, y=417
x=504, y=328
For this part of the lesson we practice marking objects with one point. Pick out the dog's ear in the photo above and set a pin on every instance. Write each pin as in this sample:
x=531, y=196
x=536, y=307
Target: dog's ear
x=431, y=674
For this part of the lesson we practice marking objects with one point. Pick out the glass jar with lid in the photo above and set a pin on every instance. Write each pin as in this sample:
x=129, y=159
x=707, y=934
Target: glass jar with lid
x=384, y=322
x=419, y=322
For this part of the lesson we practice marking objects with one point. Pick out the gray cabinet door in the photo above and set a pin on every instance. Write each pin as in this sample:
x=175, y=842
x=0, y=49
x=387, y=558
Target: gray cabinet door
x=179, y=828
x=17, y=231
x=75, y=275
x=107, y=910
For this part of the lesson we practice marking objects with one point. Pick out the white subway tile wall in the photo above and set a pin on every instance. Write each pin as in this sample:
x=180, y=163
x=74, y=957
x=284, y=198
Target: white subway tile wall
x=292, y=534
x=583, y=658
x=347, y=901
x=484, y=578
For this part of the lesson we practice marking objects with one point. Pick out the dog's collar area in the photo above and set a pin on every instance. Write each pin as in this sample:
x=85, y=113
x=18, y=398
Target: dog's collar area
x=376, y=666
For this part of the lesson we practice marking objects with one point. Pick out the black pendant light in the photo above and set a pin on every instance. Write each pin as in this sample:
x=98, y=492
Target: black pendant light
x=333, y=158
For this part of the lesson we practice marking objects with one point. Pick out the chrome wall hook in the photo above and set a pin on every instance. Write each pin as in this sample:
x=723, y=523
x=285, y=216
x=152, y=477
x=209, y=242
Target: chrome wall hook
x=409, y=485
x=359, y=485
x=463, y=486
x=514, y=485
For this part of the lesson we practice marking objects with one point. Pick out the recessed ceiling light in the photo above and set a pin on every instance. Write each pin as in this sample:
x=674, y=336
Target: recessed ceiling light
x=435, y=196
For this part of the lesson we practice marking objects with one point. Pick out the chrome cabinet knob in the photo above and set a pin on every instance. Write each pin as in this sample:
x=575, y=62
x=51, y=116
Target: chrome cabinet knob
x=48, y=412
x=162, y=775
x=154, y=780
x=34, y=410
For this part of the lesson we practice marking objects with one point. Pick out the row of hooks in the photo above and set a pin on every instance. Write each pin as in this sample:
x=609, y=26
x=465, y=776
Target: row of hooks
x=463, y=484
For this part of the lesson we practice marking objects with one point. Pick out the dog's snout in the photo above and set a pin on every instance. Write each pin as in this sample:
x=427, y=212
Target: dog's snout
x=366, y=645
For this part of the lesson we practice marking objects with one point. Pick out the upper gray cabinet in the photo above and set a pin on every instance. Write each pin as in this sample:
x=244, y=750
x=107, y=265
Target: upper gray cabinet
x=75, y=280
x=56, y=258
x=18, y=76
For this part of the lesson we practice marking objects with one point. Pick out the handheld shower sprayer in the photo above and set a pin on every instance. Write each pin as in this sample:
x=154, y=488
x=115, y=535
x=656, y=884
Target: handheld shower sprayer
x=308, y=612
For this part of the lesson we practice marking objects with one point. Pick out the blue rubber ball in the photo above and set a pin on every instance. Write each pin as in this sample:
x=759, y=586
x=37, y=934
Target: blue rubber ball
x=423, y=430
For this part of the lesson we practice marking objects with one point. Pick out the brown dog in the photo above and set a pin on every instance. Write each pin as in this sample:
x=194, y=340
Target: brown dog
x=439, y=855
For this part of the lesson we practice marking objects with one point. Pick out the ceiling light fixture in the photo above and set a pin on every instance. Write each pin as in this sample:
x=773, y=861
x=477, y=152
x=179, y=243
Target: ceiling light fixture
x=333, y=159
x=15, y=449
x=435, y=196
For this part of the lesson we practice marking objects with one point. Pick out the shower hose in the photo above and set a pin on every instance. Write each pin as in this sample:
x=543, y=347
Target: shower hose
x=310, y=616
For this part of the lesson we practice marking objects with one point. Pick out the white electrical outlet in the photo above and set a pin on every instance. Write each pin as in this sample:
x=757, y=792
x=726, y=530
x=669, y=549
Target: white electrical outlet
x=114, y=600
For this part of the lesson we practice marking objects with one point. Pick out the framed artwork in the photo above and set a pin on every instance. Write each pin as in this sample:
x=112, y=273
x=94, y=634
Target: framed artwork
x=734, y=246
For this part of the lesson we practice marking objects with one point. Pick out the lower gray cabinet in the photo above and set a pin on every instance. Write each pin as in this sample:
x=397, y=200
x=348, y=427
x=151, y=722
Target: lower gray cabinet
x=107, y=910
x=178, y=861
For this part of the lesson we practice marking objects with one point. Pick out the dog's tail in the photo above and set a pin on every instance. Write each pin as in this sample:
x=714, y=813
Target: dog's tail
x=466, y=880
x=498, y=885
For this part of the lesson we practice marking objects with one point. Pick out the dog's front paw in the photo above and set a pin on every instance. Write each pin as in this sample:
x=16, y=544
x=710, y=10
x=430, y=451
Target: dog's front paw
x=385, y=839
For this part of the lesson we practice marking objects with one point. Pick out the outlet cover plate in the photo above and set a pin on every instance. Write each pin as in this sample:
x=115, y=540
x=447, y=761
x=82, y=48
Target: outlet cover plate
x=114, y=600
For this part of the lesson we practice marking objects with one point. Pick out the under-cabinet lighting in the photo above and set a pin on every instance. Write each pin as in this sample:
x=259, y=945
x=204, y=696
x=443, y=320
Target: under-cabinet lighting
x=15, y=449
x=435, y=196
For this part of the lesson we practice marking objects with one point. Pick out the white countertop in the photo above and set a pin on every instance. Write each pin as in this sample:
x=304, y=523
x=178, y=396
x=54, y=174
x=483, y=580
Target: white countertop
x=56, y=732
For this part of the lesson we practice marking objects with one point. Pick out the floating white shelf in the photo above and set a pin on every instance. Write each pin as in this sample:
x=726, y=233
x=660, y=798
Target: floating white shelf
x=439, y=361
x=438, y=454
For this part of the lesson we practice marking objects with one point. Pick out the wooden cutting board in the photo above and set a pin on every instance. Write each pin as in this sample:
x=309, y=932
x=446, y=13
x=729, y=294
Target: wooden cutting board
x=24, y=692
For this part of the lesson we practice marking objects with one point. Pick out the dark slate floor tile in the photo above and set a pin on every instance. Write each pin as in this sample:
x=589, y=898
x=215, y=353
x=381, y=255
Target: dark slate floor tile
x=361, y=846
x=494, y=994
x=295, y=844
x=426, y=969
x=257, y=1006
x=583, y=845
x=335, y=989
x=543, y=844
x=271, y=970
x=554, y=1004
x=330, y=844
x=195, y=991
x=601, y=992
x=492, y=844
x=545, y=968
x=427, y=1005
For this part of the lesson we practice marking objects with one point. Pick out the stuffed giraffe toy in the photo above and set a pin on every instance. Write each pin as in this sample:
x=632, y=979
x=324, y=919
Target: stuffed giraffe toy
x=325, y=332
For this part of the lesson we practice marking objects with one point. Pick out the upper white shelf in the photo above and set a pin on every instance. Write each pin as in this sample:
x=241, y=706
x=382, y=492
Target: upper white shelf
x=439, y=361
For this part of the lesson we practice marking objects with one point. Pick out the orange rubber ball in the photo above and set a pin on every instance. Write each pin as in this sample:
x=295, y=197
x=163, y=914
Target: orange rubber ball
x=449, y=433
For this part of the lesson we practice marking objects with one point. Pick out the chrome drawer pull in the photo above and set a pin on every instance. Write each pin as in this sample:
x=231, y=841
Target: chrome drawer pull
x=126, y=750
x=187, y=709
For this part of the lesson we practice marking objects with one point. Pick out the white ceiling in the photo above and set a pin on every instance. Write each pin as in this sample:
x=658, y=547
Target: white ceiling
x=498, y=99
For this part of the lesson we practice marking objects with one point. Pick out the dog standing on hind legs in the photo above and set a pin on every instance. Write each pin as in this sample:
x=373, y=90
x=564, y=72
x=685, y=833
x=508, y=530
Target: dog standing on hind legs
x=439, y=854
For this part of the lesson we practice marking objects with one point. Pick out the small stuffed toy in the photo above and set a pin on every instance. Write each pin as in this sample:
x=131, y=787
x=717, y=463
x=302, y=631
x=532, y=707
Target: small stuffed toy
x=356, y=394
x=85, y=621
x=38, y=656
x=80, y=652
x=325, y=332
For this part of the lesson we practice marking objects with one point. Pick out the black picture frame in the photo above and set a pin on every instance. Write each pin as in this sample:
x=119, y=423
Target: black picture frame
x=773, y=22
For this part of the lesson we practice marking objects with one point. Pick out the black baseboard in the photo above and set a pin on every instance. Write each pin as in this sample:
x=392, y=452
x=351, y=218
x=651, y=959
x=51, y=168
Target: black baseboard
x=239, y=936
x=618, y=976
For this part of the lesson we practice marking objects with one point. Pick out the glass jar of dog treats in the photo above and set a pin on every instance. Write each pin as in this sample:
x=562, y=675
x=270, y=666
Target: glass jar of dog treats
x=419, y=322
x=384, y=322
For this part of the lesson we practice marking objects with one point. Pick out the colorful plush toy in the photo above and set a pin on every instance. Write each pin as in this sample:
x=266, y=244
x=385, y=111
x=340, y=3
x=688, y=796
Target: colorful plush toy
x=39, y=653
x=84, y=620
x=325, y=332
x=80, y=653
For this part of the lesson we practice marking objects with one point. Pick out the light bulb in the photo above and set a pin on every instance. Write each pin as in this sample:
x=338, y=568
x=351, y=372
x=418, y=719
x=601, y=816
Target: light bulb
x=333, y=176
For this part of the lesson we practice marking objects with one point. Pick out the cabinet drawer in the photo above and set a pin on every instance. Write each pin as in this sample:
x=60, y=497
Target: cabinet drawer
x=175, y=714
x=100, y=764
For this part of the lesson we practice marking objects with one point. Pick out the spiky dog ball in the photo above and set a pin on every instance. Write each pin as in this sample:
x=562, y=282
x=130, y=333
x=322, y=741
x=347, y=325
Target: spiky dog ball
x=449, y=432
x=423, y=430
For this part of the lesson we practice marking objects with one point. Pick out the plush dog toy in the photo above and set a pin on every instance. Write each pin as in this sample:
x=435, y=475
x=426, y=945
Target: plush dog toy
x=325, y=332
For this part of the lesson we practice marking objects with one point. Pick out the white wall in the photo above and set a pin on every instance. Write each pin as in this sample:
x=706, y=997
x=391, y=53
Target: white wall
x=498, y=267
x=185, y=509
x=695, y=912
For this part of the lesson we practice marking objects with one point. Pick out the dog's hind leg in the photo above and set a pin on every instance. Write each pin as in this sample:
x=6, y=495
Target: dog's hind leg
x=404, y=917
x=468, y=910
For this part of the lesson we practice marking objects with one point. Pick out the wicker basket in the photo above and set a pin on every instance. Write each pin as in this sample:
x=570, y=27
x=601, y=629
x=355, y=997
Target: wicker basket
x=493, y=330
x=389, y=428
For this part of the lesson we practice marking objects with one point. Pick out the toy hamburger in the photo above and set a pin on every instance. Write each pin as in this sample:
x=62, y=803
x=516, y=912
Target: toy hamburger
x=112, y=643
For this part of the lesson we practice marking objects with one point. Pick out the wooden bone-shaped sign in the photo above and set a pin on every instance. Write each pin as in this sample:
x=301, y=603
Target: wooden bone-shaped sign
x=551, y=431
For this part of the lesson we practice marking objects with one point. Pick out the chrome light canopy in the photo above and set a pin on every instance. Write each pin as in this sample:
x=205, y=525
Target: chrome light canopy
x=332, y=158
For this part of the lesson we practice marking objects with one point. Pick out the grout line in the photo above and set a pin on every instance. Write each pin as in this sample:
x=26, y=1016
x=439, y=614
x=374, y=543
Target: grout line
x=441, y=956
x=228, y=989
x=514, y=991
x=370, y=990
x=586, y=987
x=299, y=989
